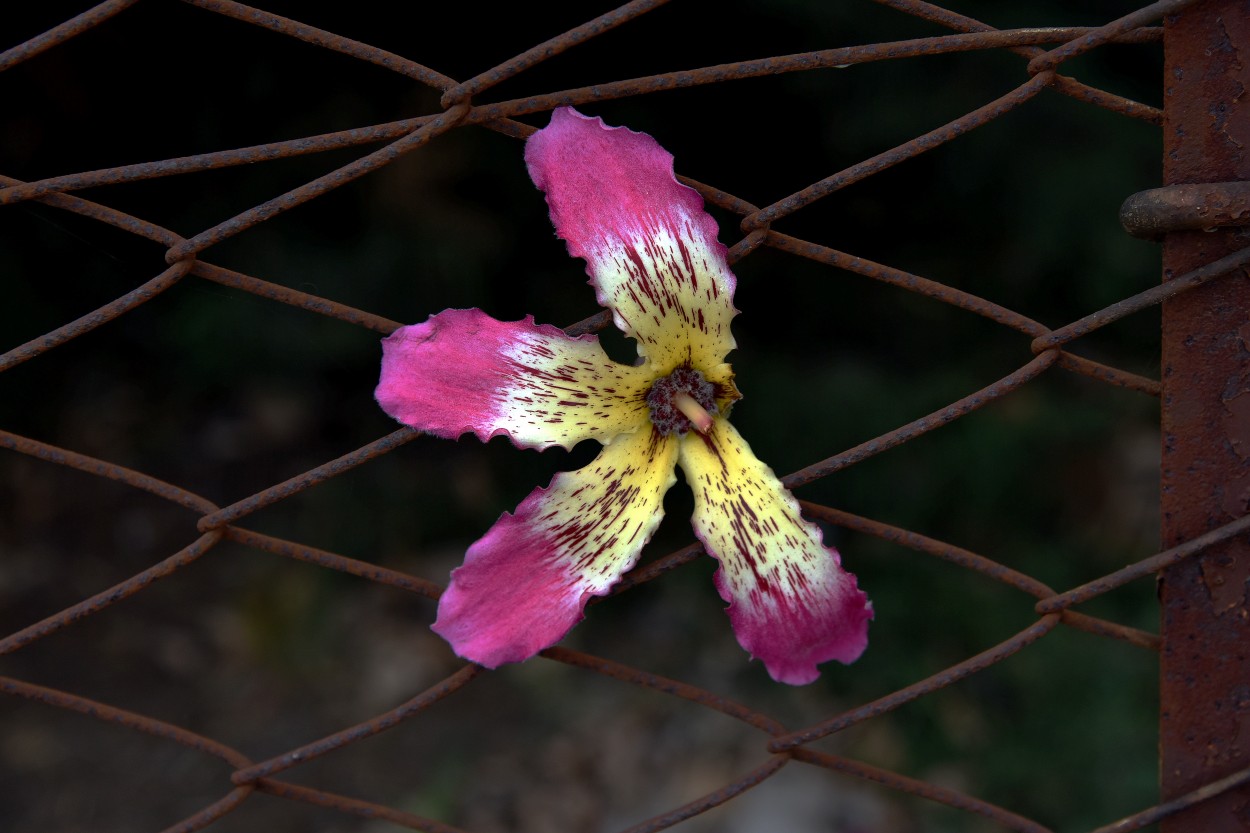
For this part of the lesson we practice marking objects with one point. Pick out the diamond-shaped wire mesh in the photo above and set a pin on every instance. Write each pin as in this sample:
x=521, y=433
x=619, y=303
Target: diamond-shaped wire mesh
x=216, y=550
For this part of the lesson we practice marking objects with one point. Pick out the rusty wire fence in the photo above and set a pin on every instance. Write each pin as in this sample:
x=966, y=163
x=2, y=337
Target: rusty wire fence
x=86, y=571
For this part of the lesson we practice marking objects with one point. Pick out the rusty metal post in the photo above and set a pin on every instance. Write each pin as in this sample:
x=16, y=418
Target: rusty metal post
x=1204, y=730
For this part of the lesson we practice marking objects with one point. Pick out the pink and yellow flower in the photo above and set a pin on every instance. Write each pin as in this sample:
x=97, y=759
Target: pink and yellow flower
x=654, y=261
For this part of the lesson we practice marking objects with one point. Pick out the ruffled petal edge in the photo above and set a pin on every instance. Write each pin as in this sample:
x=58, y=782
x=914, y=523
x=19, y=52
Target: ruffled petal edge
x=462, y=370
x=791, y=603
x=526, y=582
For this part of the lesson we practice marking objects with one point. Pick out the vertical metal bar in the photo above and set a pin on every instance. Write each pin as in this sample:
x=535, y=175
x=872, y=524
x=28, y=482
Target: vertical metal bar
x=1204, y=726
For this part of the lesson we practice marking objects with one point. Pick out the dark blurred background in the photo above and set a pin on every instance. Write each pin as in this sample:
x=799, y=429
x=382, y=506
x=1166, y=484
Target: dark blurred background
x=225, y=393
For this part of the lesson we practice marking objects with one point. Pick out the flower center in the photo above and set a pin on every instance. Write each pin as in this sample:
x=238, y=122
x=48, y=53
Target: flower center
x=682, y=400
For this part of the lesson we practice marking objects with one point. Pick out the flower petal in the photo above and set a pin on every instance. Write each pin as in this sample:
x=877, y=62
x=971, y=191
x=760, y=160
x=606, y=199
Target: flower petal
x=464, y=371
x=650, y=248
x=525, y=583
x=791, y=603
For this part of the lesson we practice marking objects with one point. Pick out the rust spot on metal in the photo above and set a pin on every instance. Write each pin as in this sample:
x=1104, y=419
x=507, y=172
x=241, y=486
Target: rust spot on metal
x=1237, y=423
x=1203, y=206
x=1227, y=580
